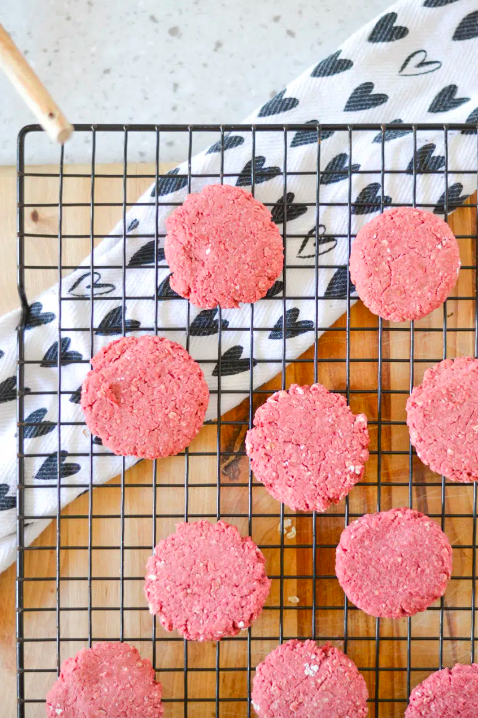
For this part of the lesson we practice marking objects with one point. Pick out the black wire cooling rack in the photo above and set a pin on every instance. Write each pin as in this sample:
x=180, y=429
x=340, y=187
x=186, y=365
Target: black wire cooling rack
x=61, y=609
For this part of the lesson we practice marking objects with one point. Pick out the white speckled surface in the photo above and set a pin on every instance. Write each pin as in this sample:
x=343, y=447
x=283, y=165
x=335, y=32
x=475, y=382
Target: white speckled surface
x=165, y=60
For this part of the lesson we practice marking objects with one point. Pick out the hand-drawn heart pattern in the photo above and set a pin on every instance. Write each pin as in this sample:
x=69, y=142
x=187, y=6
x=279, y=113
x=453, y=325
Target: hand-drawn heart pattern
x=2, y=353
x=230, y=141
x=446, y=100
x=37, y=427
x=82, y=286
x=369, y=200
x=332, y=65
x=165, y=291
x=50, y=358
x=134, y=224
x=454, y=199
x=391, y=134
x=425, y=161
x=145, y=255
x=261, y=173
x=417, y=64
x=386, y=31
x=337, y=169
x=48, y=471
x=35, y=316
x=75, y=397
x=205, y=324
x=310, y=137
x=468, y=28
x=292, y=210
x=112, y=324
x=231, y=363
x=337, y=287
x=438, y=3
x=472, y=119
x=278, y=104
x=307, y=249
x=276, y=289
x=8, y=389
x=169, y=183
x=293, y=327
x=362, y=98
x=6, y=502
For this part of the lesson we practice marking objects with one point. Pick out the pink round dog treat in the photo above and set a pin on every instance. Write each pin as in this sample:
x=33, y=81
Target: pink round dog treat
x=450, y=693
x=404, y=263
x=222, y=247
x=206, y=581
x=393, y=564
x=145, y=397
x=442, y=416
x=109, y=680
x=307, y=447
x=300, y=679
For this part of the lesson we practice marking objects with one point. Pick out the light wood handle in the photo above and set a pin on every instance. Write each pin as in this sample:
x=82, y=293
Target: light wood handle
x=30, y=87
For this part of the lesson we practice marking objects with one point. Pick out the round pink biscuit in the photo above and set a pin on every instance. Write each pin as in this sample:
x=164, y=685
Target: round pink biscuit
x=442, y=416
x=144, y=397
x=307, y=447
x=109, y=680
x=393, y=564
x=300, y=680
x=404, y=263
x=206, y=581
x=222, y=247
x=450, y=693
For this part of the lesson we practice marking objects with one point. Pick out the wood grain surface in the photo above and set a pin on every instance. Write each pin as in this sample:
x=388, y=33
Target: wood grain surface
x=386, y=484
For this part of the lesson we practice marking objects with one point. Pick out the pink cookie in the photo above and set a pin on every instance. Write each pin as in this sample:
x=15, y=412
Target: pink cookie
x=404, y=263
x=450, y=693
x=144, y=397
x=206, y=581
x=107, y=681
x=442, y=415
x=223, y=248
x=307, y=447
x=300, y=680
x=393, y=564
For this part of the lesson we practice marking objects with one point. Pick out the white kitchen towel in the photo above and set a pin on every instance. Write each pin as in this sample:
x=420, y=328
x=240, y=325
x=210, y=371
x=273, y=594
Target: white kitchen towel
x=416, y=63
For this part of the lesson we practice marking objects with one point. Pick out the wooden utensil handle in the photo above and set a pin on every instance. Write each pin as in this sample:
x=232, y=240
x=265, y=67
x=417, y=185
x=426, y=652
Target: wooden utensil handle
x=29, y=86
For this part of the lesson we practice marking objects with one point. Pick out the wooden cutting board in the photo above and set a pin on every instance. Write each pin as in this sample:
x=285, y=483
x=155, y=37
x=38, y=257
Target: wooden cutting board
x=382, y=667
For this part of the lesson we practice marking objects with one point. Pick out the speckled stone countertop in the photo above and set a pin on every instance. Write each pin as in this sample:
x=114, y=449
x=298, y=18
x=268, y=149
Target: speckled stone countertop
x=165, y=61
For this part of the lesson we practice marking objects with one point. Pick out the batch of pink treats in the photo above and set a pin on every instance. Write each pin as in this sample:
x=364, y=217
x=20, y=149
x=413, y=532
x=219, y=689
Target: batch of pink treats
x=147, y=397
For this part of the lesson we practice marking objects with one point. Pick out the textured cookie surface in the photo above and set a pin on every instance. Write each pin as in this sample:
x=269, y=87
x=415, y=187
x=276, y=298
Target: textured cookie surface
x=206, y=581
x=450, y=693
x=393, y=564
x=442, y=416
x=109, y=680
x=222, y=247
x=300, y=680
x=307, y=447
x=145, y=397
x=404, y=263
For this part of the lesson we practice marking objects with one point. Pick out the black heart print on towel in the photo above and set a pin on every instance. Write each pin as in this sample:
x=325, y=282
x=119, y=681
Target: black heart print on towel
x=82, y=286
x=308, y=246
x=337, y=287
x=438, y=3
x=386, y=31
x=134, y=224
x=472, y=119
x=293, y=210
x=337, y=169
x=468, y=27
x=8, y=389
x=67, y=357
x=362, y=98
x=113, y=323
x=6, y=502
x=276, y=289
x=205, y=324
x=417, y=64
x=391, y=134
x=446, y=100
x=48, y=471
x=75, y=397
x=425, y=161
x=230, y=141
x=310, y=137
x=262, y=174
x=170, y=183
x=454, y=199
x=278, y=104
x=164, y=289
x=369, y=200
x=332, y=65
x=35, y=316
x=231, y=362
x=293, y=327
x=145, y=255
x=41, y=428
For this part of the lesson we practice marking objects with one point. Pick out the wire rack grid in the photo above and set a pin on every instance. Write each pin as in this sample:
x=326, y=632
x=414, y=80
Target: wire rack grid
x=67, y=598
